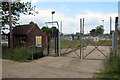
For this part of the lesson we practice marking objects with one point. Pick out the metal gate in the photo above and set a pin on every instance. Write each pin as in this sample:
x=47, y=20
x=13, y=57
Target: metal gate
x=87, y=47
x=98, y=47
x=52, y=42
x=84, y=47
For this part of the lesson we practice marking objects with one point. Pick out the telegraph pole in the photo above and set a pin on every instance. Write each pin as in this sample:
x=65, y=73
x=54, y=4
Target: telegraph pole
x=110, y=24
x=83, y=36
x=83, y=25
x=116, y=32
x=10, y=24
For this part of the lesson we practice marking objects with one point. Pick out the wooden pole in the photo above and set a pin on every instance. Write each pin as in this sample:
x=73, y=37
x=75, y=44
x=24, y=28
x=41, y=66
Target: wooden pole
x=83, y=25
x=110, y=24
x=10, y=24
x=116, y=33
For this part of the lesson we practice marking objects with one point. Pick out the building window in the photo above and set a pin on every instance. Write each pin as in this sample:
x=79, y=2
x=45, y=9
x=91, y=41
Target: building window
x=23, y=39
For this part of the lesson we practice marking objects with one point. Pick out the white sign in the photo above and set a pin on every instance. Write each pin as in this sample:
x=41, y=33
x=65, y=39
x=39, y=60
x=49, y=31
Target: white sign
x=70, y=39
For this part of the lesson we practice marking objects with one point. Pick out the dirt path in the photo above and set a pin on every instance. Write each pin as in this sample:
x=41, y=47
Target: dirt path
x=53, y=67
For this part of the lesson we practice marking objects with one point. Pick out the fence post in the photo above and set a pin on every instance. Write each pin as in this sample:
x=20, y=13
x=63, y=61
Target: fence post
x=81, y=39
x=113, y=42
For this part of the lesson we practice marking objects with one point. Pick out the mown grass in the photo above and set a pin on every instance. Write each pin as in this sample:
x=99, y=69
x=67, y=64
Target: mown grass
x=21, y=54
x=112, y=67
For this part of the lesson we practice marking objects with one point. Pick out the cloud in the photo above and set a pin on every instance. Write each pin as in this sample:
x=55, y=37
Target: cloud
x=93, y=19
x=75, y=0
x=32, y=1
x=70, y=24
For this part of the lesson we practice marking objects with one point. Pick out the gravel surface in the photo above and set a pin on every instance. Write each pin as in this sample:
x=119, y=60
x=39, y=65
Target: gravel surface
x=67, y=66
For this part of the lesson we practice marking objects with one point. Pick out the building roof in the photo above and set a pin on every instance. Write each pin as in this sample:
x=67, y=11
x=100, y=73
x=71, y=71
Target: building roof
x=23, y=29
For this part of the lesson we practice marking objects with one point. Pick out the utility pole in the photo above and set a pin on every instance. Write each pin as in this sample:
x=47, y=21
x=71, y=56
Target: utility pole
x=116, y=33
x=110, y=24
x=83, y=36
x=83, y=25
x=10, y=24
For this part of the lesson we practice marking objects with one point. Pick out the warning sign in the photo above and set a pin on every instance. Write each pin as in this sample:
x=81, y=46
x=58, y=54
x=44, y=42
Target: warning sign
x=38, y=41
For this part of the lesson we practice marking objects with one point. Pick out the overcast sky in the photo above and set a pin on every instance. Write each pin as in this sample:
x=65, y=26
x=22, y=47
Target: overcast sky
x=70, y=13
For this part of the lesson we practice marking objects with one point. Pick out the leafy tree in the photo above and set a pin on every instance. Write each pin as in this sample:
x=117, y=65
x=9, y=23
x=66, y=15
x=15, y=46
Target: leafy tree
x=92, y=32
x=45, y=30
x=53, y=32
x=98, y=31
x=17, y=8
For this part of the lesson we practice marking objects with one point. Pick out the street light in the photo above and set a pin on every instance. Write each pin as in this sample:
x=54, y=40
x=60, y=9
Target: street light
x=53, y=12
x=103, y=22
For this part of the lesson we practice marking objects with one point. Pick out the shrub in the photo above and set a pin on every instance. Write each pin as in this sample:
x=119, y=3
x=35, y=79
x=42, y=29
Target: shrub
x=36, y=53
x=22, y=54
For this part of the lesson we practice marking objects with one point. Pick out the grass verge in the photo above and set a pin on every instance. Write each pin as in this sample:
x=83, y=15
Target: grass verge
x=21, y=54
x=112, y=67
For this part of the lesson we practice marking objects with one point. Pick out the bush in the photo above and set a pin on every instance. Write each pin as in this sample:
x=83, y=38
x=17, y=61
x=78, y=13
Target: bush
x=22, y=54
x=36, y=53
x=5, y=52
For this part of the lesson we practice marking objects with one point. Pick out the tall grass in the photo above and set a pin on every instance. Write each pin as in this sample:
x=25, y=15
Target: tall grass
x=22, y=54
x=112, y=67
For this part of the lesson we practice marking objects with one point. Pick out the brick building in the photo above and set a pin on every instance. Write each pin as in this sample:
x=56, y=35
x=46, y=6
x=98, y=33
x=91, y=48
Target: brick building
x=25, y=35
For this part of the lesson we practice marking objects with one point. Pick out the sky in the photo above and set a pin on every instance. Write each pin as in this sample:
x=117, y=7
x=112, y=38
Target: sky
x=71, y=12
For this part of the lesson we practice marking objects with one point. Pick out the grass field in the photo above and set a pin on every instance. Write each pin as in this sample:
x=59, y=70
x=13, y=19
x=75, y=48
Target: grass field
x=76, y=43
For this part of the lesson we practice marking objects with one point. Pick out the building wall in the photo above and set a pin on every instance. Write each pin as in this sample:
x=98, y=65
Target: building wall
x=17, y=41
x=31, y=37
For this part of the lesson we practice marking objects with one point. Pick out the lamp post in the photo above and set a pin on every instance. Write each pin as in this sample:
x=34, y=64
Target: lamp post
x=103, y=23
x=53, y=12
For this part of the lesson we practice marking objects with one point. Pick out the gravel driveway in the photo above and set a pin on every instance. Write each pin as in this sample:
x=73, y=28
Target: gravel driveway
x=67, y=66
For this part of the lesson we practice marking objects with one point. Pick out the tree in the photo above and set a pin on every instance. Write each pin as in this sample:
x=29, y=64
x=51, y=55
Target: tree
x=92, y=32
x=50, y=32
x=98, y=31
x=17, y=8
x=53, y=32
x=14, y=10
x=45, y=30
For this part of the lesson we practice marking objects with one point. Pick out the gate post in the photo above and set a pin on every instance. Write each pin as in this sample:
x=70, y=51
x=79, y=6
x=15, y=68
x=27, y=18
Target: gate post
x=81, y=39
x=59, y=49
x=113, y=42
